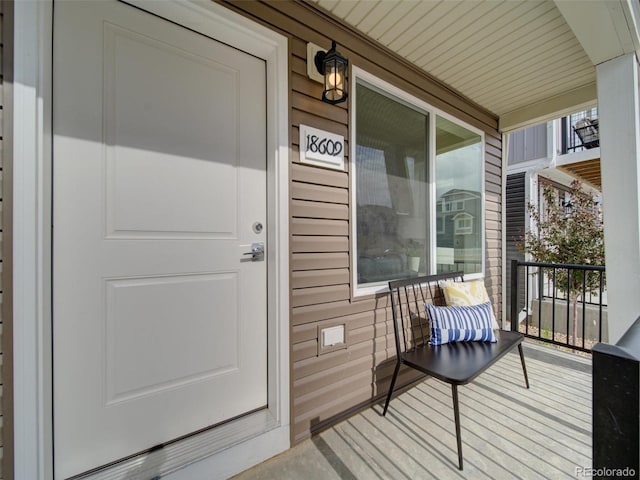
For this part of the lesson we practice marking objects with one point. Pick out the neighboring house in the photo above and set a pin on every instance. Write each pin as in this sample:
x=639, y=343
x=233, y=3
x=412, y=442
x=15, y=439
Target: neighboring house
x=554, y=153
x=187, y=289
x=459, y=215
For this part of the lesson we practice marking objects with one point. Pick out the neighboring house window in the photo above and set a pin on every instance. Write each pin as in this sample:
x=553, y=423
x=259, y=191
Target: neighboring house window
x=560, y=196
x=463, y=224
x=404, y=153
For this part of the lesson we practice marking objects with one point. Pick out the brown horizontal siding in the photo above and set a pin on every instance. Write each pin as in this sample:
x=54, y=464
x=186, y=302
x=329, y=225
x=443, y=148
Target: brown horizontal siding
x=305, y=103
x=301, y=83
x=493, y=200
x=319, y=193
x=324, y=412
x=318, y=261
x=302, y=333
x=492, y=215
x=492, y=225
x=315, y=313
x=315, y=278
x=310, y=402
x=318, y=226
x=304, y=350
x=493, y=262
x=321, y=363
x=312, y=383
x=306, y=209
x=327, y=385
x=494, y=169
x=320, y=244
x=319, y=176
x=305, y=422
x=493, y=151
x=494, y=138
x=494, y=181
x=315, y=295
x=313, y=120
x=494, y=188
x=318, y=390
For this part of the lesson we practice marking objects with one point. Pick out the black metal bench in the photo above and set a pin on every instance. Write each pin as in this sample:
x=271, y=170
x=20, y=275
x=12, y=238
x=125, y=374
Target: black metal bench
x=456, y=363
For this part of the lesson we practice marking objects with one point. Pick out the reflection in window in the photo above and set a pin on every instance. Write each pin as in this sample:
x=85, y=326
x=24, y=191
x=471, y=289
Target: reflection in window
x=459, y=197
x=391, y=188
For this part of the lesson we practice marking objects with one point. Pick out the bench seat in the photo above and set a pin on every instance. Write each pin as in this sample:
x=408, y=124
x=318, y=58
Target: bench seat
x=460, y=362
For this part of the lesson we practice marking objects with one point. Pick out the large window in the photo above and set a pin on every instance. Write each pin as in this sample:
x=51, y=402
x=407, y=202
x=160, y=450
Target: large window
x=418, y=195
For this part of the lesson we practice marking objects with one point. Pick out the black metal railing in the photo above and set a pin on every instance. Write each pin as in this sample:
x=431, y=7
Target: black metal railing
x=561, y=304
x=580, y=131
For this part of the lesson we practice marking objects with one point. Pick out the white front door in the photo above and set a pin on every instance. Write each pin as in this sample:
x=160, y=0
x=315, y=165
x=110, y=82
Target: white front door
x=159, y=190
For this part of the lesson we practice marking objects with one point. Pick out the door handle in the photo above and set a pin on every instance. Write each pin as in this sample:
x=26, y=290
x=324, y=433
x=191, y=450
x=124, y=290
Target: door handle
x=257, y=252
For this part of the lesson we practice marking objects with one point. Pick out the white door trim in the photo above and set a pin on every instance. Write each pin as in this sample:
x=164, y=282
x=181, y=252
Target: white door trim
x=32, y=281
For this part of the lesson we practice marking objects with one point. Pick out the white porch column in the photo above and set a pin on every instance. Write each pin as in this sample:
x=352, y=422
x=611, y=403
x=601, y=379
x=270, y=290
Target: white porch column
x=618, y=111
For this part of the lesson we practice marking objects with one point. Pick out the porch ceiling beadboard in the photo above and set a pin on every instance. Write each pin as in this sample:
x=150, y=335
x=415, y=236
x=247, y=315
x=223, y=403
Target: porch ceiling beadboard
x=508, y=57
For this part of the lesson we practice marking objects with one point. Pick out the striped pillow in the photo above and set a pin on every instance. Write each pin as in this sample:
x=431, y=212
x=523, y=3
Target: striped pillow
x=467, y=293
x=460, y=324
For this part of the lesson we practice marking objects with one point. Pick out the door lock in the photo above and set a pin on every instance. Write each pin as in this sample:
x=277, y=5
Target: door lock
x=257, y=252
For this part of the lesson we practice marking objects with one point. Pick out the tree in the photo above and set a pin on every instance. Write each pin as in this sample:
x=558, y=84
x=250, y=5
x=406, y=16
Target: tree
x=569, y=232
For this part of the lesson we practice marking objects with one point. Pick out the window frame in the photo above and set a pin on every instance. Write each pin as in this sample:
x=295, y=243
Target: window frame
x=360, y=75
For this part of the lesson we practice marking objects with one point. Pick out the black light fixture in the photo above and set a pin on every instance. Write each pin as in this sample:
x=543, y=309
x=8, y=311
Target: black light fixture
x=334, y=68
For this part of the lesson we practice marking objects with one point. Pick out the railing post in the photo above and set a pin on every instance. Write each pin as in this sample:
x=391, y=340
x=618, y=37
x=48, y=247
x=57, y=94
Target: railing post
x=540, y=298
x=601, y=289
x=514, y=296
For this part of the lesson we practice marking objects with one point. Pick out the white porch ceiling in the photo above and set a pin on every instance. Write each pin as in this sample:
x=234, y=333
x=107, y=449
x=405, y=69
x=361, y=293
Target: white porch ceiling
x=519, y=59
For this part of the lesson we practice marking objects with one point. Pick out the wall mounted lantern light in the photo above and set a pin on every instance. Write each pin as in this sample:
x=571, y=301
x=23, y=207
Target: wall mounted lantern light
x=334, y=68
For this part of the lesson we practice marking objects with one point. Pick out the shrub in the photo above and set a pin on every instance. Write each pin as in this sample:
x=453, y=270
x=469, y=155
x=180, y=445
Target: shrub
x=571, y=233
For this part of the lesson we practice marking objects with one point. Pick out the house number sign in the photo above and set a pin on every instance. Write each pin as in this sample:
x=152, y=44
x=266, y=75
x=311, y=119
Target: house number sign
x=321, y=148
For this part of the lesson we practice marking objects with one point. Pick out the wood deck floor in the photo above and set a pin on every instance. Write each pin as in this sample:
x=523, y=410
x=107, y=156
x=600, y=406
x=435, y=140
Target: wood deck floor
x=507, y=430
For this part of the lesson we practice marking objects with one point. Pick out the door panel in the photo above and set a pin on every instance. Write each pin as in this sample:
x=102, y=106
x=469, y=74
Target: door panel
x=159, y=319
x=133, y=372
x=148, y=127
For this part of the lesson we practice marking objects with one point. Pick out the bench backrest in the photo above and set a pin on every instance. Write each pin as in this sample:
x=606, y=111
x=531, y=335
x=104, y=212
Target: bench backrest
x=408, y=296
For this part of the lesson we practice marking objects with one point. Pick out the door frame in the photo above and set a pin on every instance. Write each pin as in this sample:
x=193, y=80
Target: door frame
x=243, y=443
